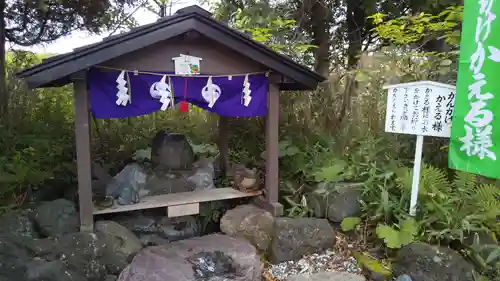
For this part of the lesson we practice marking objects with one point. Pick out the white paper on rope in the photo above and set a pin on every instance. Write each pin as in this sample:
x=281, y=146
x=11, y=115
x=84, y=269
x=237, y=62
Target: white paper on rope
x=421, y=108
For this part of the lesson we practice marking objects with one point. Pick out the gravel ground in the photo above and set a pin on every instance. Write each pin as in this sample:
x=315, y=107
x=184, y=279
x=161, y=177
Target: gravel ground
x=314, y=263
x=339, y=258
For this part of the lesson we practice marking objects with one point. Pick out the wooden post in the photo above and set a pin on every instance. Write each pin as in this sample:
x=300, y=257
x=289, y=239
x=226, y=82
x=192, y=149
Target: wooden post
x=272, y=140
x=224, y=144
x=83, y=158
x=270, y=202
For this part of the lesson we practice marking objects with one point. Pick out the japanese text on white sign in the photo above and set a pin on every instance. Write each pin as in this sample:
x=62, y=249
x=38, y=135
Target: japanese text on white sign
x=424, y=110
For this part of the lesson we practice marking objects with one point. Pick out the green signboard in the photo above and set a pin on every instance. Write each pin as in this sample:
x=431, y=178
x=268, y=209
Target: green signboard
x=475, y=134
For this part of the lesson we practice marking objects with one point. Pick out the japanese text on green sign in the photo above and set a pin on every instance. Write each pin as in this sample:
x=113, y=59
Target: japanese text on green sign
x=475, y=131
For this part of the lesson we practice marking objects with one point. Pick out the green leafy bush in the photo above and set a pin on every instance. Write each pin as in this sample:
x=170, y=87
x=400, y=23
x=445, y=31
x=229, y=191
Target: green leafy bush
x=450, y=209
x=405, y=233
x=350, y=223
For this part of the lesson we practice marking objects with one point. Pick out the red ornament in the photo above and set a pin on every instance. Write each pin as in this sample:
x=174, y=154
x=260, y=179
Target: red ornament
x=183, y=106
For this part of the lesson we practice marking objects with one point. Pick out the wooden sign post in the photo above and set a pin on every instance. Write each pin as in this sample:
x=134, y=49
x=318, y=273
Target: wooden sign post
x=423, y=108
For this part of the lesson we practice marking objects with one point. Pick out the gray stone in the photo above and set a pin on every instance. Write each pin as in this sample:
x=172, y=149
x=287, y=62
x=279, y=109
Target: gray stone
x=249, y=222
x=207, y=265
x=171, y=229
x=337, y=205
x=25, y=245
x=169, y=182
x=111, y=278
x=423, y=262
x=203, y=176
x=17, y=223
x=152, y=240
x=139, y=224
x=178, y=228
x=18, y=245
x=224, y=257
x=81, y=252
x=174, y=168
x=57, y=218
x=128, y=186
x=171, y=151
x=40, y=247
x=403, y=277
x=344, y=203
x=40, y=270
x=121, y=245
x=327, y=276
x=13, y=259
x=294, y=238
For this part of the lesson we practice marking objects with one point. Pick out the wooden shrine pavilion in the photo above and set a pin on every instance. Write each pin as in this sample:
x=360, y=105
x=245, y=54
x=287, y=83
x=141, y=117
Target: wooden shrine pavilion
x=152, y=47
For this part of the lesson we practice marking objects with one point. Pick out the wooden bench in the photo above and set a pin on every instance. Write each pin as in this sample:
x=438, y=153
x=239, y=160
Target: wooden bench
x=179, y=204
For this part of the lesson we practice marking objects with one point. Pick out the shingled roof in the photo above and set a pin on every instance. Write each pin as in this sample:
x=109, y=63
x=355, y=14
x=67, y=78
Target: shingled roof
x=56, y=70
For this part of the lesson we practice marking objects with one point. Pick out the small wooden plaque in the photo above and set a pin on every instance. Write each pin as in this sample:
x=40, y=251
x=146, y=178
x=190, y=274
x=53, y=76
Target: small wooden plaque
x=183, y=210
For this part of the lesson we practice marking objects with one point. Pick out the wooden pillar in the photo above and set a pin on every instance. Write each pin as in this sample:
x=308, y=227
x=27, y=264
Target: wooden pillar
x=83, y=158
x=270, y=201
x=272, y=139
x=223, y=144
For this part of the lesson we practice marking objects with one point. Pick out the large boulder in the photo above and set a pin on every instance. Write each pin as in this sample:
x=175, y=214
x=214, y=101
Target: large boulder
x=121, y=245
x=57, y=218
x=13, y=259
x=424, y=262
x=40, y=247
x=81, y=253
x=40, y=270
x=18, y=224
x=171, y=151
x=293, y=238
x=211, y=257
x=32, y=259
x=326, y=276
x=174, y=168
x=249, y=222
x=18, y=245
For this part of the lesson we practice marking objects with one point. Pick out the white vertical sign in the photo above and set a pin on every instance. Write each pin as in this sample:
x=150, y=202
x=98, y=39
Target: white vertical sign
x=422, y=108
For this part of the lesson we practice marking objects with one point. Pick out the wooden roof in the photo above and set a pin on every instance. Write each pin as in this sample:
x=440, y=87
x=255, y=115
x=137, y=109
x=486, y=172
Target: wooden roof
x=56, y=71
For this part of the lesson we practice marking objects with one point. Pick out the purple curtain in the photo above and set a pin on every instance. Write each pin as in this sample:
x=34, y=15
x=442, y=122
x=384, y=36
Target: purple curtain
x=103, y=89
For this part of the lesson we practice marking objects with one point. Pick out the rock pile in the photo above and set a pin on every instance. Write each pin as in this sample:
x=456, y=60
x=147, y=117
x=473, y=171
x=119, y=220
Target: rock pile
x=45, y=245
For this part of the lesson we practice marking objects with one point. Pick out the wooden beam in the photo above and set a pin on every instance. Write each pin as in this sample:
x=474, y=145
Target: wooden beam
x=183, y=210
x=270, y=202
x=83, y=158
x=223, y=144
x=178, y=199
